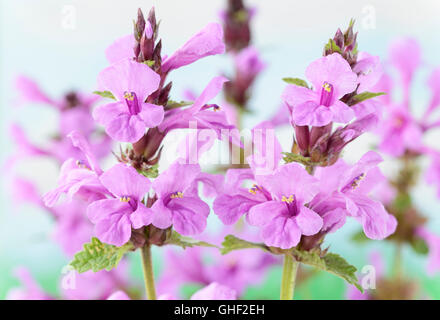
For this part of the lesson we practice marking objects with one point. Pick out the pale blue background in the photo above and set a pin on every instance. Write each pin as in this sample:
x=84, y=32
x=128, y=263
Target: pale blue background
x=289, y=35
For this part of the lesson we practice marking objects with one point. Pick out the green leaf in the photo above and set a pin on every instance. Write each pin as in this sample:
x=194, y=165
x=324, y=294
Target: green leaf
x=366, y=95
x=332, y=46
x=232, y=243
x=177, y=104
x=419, y=245
x=296, y=81
x=97, y=256
x=184, y=242
x=105, y=94
x=329, y=262
x=340, y=267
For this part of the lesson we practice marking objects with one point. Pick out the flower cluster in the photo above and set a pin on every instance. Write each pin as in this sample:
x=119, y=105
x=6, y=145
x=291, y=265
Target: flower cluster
x=293, y=199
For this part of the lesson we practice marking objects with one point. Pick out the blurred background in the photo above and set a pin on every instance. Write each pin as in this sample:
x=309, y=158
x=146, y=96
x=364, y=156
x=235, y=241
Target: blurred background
x=61, y=44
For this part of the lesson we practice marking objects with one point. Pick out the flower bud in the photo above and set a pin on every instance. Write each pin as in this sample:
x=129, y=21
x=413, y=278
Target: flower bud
x=139, y=26
x=236, y=26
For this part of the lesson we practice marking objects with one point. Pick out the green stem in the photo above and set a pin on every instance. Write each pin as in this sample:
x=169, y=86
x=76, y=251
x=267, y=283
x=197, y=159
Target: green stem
x=147, y=267
x=398, y=261
x=288, y=279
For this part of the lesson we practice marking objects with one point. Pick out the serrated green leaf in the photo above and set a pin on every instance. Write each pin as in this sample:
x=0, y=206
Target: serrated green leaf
x=177, y=104
x=105, y=94
x=329, y=262
x=98, y=256
x=340, y=267
x=231, y=243
x=185, y=242
x=296, y=81
x=366, y=95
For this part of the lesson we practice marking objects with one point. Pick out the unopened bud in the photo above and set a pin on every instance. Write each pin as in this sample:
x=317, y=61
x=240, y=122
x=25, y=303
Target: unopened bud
x=139, y=26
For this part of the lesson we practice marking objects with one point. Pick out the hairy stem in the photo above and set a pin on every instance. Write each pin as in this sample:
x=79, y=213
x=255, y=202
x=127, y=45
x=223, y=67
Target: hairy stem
x=288, y=279
x=147, y=267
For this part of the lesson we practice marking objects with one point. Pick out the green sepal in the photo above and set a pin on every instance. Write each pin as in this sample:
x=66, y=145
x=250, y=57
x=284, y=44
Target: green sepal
x=331, y=46
x=149, y=63
x=294, y=157
x=177, y=104
x=151, y=173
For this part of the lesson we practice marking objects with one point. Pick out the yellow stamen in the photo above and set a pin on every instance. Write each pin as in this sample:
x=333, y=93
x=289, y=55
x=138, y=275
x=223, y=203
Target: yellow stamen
x=326, y=87
x=177, y=195
x=125, y=199
x=288, y=200
x=357, y=180
x=128, y=96
x=81, y=165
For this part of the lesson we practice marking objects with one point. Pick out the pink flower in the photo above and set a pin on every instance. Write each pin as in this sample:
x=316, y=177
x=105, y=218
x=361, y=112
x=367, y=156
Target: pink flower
x=114, y=218
x=119, y=295
x=433, y=172
x=131, y=83
x=350, y=186
x=235, y=200
x=405, y=55
x=215, y=291
x=30, y=290
x=31, y=92
x=332, y=78
x=207, y=42
x=177, y=202
x=205, y=115
x=78, y=176
x=434, y=85
x=95, y=285
x=72, y=228
x=121, y=49
x=433, y=242
x=285, y=218
x=399, y=131
x=237, y=270
x=369, y=71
